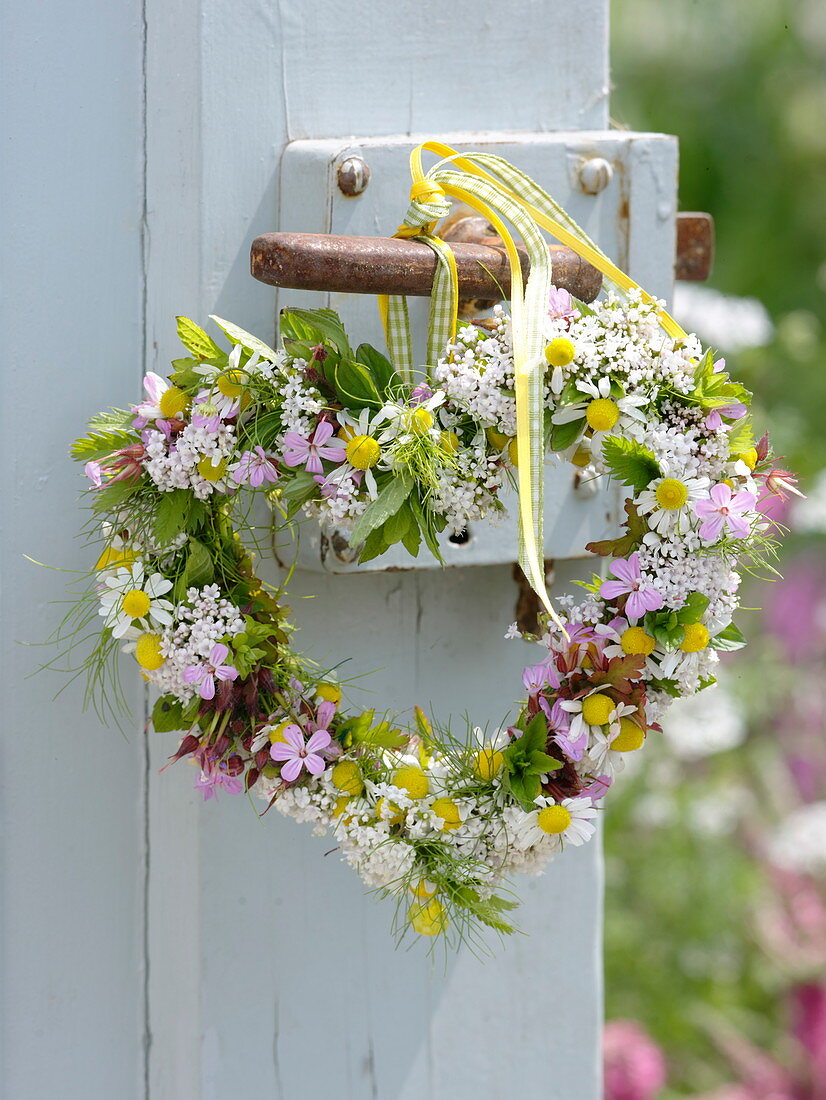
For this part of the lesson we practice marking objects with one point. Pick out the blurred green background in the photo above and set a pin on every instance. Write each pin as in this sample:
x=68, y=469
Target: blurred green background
x=716, y=842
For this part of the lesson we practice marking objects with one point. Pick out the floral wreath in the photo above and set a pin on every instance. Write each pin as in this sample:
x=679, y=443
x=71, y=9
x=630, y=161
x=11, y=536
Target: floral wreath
x=387, y=455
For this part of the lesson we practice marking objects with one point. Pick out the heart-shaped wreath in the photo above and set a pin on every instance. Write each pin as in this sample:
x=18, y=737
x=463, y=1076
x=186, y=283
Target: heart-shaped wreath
x=389, y=455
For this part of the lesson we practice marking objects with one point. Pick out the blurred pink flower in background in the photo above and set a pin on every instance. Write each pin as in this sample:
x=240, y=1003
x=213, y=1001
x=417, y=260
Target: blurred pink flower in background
x=634, y=1065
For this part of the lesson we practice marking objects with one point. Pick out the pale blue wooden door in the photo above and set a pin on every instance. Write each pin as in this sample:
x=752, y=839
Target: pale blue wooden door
x=155, y=947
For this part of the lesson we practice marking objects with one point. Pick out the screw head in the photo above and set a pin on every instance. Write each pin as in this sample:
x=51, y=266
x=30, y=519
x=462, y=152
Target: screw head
x=595, y=174
x=353, y=176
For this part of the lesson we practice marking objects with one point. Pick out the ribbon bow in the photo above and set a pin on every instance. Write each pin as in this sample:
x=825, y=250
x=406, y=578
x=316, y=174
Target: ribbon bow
x=500, y=192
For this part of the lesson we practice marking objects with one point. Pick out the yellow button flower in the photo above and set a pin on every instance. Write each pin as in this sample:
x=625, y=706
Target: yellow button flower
x=636, y=641
x=602, y=414
x=363, y=452
x=448, y=812
x=173, y=403
x=560, y=352
x=210, y=471
x=148, y=652
x=487, y=764
x=596, y=709
x=412, y=780
x=136, y=603
x=553, y=819
x=346, y=777
x=696, y=638
x=630, y=737
x=329, y=692
x=671, y=494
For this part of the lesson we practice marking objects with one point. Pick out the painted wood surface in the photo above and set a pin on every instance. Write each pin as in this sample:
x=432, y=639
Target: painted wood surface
x=73, y=844
x=154, y=947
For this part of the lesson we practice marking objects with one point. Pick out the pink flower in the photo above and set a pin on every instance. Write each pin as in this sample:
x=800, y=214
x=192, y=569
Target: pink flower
x=123, y=465
x=537, y=677
x=783, y=483
x=421, y=393
x=560, y=303
x=93, y=472
x=155, y=387
x=255, y=468
x=724, y=511
x=212, y=777
x=214, y=669
x=311, y=451
x=298, y=754
x=735, y=411
x=599, y=788
x=559, y=726
x=642, y=596
x=635, y=1067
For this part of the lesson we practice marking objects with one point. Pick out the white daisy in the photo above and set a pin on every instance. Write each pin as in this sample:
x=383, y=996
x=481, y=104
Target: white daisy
x=602, y=411
x=590, y=713
x=227, y=384
x=364, y=439
x=405, y=422
x=554, y=823
x=669, y=502
x=601, y=759
x=130, y=599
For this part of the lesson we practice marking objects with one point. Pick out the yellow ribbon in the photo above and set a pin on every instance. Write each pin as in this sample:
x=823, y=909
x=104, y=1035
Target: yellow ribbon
x=426, y=189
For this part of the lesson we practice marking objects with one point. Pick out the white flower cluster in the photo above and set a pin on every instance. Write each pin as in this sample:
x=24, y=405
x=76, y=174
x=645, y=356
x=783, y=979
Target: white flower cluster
x=469, y=490
x=301, y=401
x=200, y=622
x=624, y=338
x=342, y=503
x=477, y=373
x=180, y=465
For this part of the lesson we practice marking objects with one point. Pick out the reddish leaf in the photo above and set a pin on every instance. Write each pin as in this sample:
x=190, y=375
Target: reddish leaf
x=626, y=544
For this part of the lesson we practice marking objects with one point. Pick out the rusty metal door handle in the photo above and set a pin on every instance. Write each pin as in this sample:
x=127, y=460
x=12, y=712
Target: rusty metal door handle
x=387, y=265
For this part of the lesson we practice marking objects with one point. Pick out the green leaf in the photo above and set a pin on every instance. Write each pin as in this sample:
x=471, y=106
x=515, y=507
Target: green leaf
x=693, y=609
x=194, y=339
x=262, y=431
x=185, y=376
x=382, y=736
x=741, y=437
x=171, y=515
x=319, y=325
x=296, y=491
x=389, y=500
x=630, y=462
x=98, y=445
x=380, y=368
x=565, y=435
x=670, y=687
x=424, y=517
x=110, y=498
x=729, y=639
x=107, y=432
x=535, y=736
x=412, y=539
x=374, y=545
x=398, y=525
x=355, y=386
x=245, y=339
x=168, y=715
x=541, y=762
x=198, y=569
